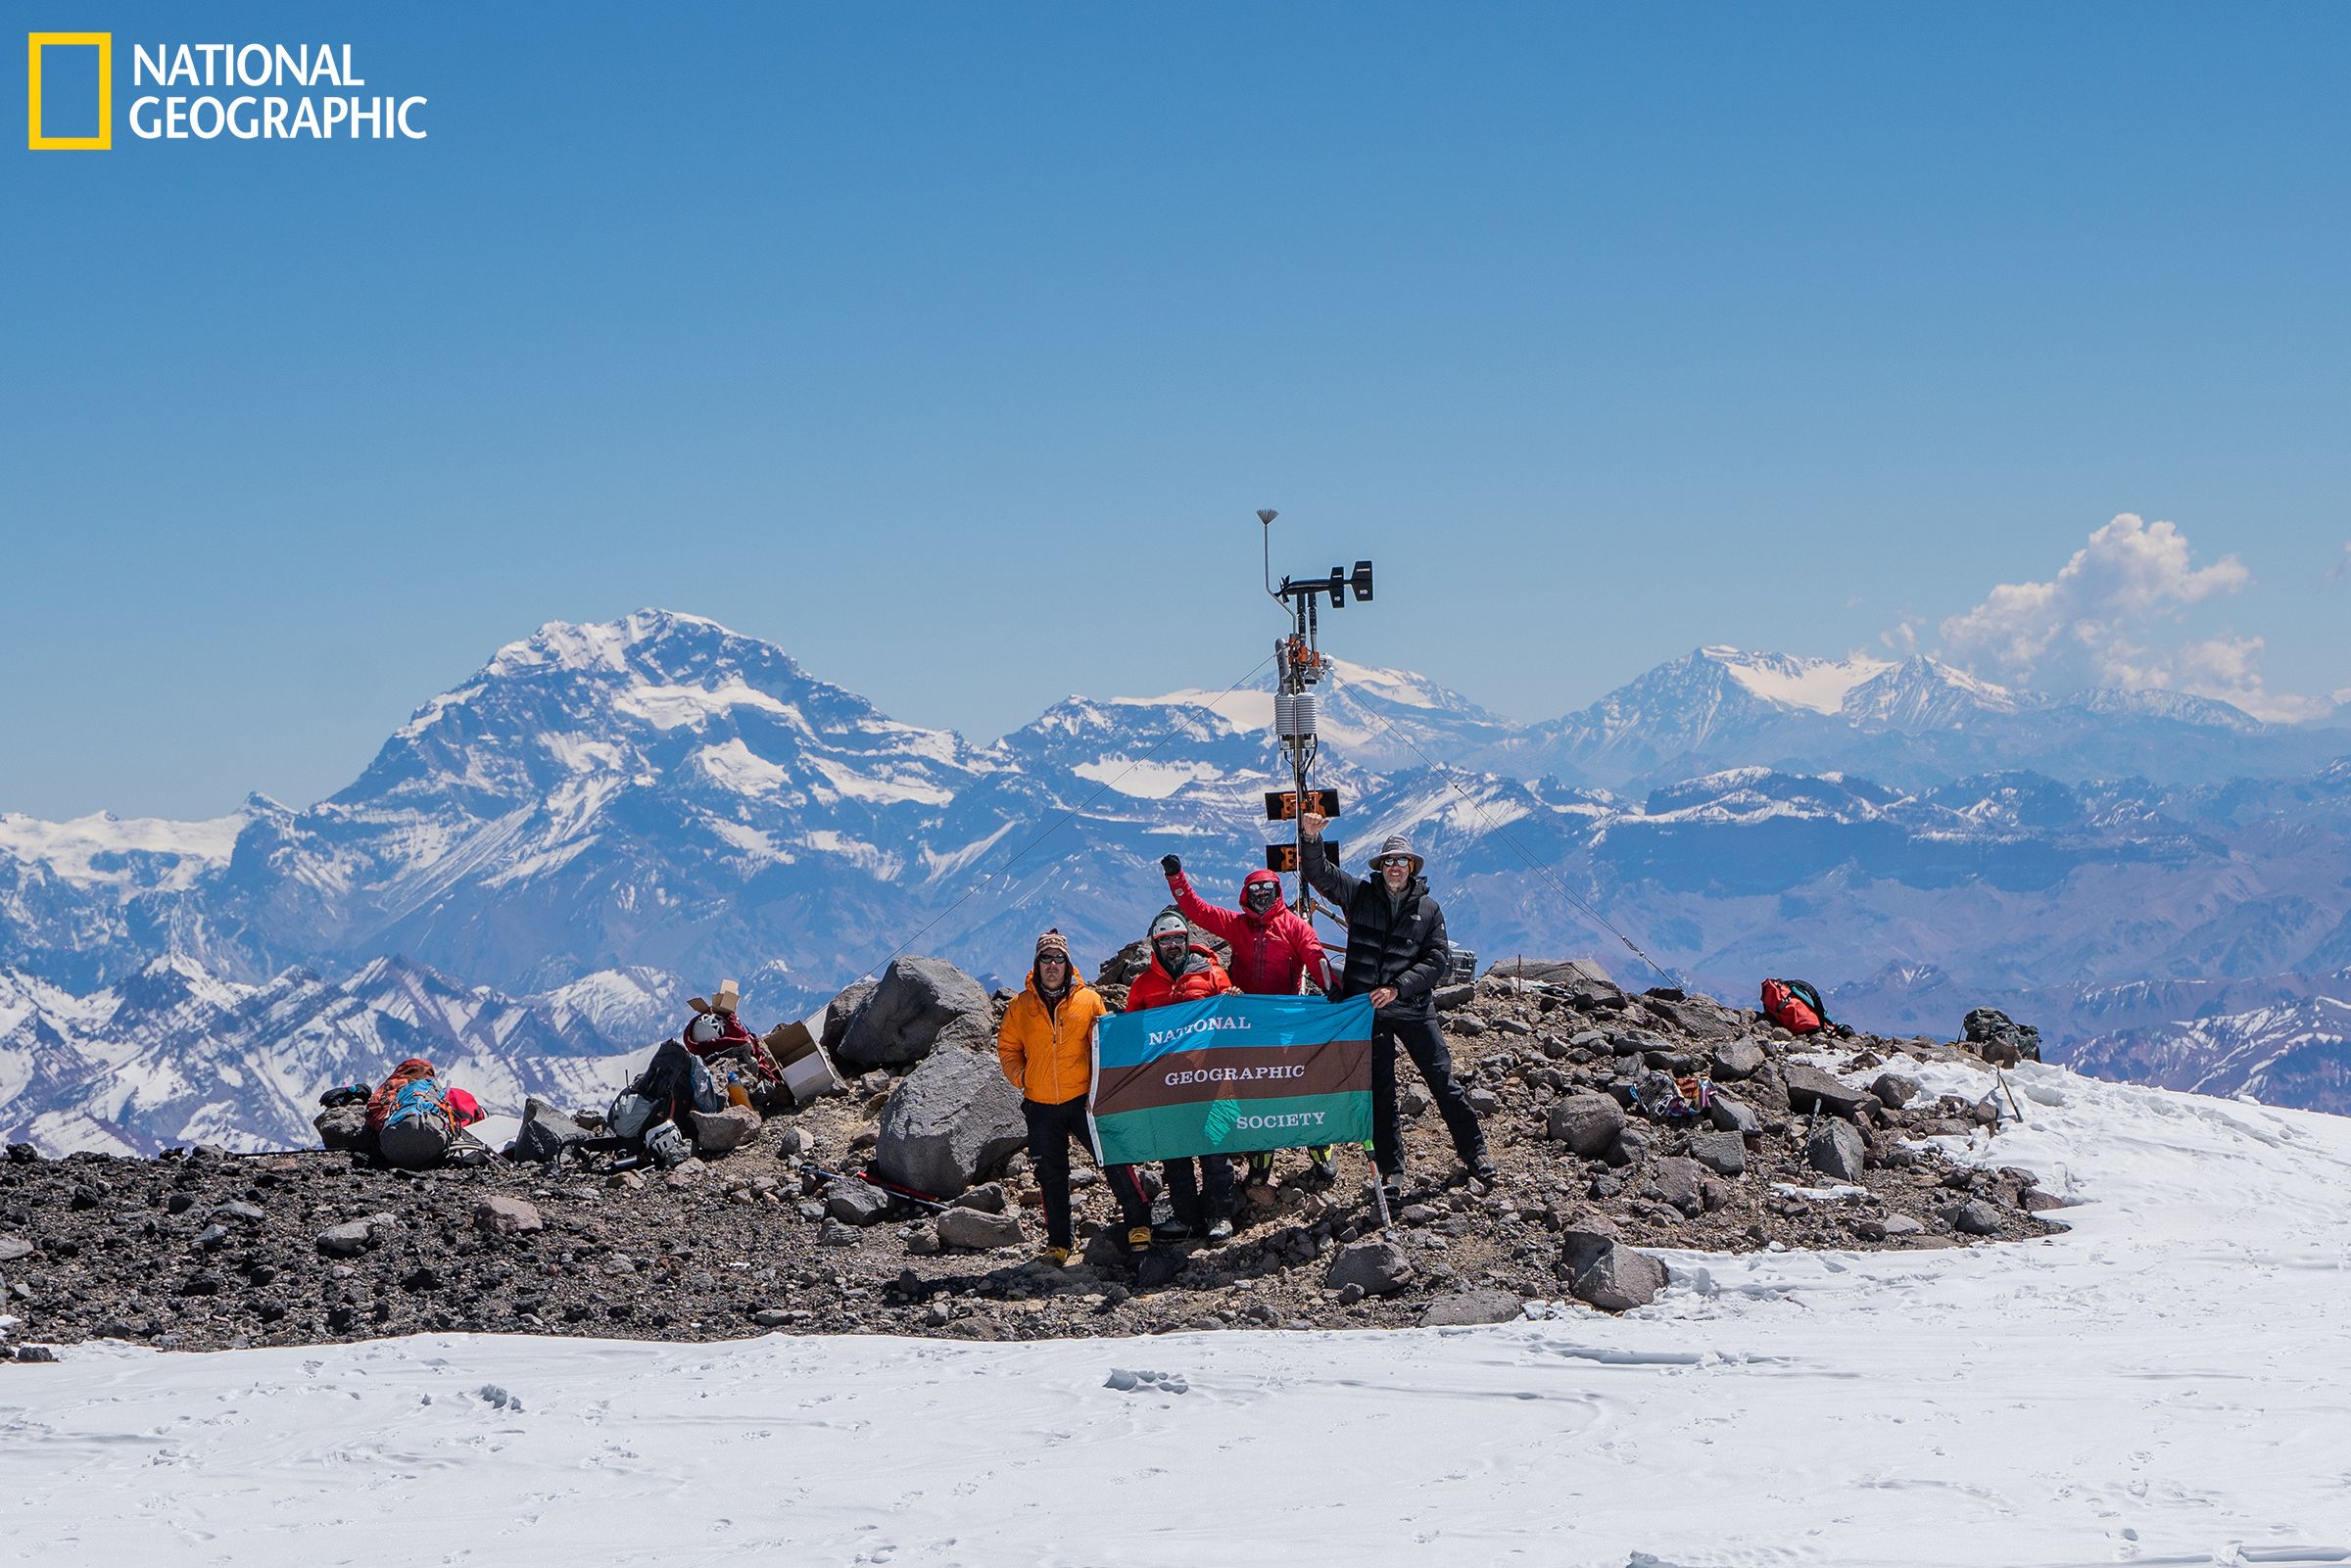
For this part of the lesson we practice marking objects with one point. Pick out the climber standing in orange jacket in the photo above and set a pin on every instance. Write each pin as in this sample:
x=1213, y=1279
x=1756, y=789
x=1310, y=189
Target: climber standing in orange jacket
x=1047, y=1045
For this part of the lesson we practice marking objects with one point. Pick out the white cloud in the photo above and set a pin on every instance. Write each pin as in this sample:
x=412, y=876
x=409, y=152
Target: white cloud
x=2342, y=564
x=2230, y=668
x=2107, y=619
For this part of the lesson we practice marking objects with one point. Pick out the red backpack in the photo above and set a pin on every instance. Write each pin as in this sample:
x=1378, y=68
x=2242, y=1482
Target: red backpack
x=1795, y=1006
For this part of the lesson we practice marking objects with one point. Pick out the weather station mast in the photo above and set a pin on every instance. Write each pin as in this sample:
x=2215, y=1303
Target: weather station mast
x=1301, y=666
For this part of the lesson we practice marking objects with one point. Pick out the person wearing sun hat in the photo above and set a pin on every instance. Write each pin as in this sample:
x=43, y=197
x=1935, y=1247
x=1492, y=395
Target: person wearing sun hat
x=1396, y=954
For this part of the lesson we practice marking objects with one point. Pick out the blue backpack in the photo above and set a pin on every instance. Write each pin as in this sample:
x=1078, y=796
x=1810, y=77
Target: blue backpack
x=419, y=1129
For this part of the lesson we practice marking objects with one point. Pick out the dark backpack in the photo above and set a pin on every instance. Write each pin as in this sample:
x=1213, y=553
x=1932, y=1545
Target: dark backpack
x=677, y=1081
x=419, y=1130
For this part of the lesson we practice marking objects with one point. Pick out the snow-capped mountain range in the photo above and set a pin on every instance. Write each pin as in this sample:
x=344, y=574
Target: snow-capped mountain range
x=1914, y=722
x=543, y=861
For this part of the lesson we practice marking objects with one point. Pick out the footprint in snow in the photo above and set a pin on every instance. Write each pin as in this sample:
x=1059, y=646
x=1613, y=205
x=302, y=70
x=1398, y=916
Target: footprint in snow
x=1126, y=1382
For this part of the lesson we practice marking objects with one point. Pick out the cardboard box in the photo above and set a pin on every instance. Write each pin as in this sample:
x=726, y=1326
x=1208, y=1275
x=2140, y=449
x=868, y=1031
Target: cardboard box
x=808, y=1071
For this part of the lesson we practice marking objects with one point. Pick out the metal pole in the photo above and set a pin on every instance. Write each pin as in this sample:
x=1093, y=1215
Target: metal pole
x=1304, y=903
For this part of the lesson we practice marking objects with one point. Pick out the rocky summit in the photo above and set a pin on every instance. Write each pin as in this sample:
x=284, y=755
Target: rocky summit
x=1823, y=1143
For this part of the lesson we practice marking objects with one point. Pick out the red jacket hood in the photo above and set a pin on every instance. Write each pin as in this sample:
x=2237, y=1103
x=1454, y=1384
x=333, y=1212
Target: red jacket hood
x=1261, y=875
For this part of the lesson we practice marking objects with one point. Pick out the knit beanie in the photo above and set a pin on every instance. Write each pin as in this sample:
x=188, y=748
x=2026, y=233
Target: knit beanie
x=1053, y=945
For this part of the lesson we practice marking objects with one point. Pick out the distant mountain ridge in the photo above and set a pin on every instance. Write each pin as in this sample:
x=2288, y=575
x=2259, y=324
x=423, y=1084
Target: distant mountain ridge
x=1914, y=722
x=605, y=817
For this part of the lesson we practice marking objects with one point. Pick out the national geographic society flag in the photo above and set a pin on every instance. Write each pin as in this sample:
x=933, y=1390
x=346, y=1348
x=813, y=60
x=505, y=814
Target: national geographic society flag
x=1232, y=1074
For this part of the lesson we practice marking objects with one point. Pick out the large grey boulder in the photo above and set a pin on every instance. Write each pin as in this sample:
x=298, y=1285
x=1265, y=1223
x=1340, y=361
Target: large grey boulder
x=841, y=1011
x=1889, y=1227
x=1733, y=1115
x=1632, y=1146
x=1375, y=1267
x=1465, y=1308
x=918, y=1005
x=1582, y=1239
x=341, y=1126
x=546, y=1132
x=1619, y=1279
x=1974, y=1217
x=1698, y=1018
x=1836, y=1149
x=1587, y=1124
x=952, y=1119
x=857, y=1203
x=346, y=1240
x=1742, y=1058
x=1584, y=982
x=1723, y=1152
x=1680, y=1183
x=977, y=1229
x=1894, y=1090
x=1809, y=1088
x=717, y=1131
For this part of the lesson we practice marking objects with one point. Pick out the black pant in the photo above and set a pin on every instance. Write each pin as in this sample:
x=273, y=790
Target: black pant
x=1420, y=1039
x=1198, y=1198
x=1135, y=1204
x=1050, y=1129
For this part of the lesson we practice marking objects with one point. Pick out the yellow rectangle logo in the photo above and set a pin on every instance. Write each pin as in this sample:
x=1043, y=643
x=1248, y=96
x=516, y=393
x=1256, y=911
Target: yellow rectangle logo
x=34, y=43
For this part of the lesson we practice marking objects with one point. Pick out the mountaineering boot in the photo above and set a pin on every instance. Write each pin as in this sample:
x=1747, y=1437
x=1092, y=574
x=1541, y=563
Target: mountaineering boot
x=1220, y=1231
x=1485, y=1170
x=1138, y=1241
x=1058, y=1257
x=1392, y=1184
x=1261, y=1168
x=1321, y=1165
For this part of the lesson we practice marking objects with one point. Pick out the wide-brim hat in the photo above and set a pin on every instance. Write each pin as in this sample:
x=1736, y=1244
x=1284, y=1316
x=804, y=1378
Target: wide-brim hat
x=1397, y=844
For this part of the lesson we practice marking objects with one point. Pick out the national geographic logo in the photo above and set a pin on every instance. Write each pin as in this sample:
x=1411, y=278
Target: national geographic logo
x=37, y=136
x=205, y=92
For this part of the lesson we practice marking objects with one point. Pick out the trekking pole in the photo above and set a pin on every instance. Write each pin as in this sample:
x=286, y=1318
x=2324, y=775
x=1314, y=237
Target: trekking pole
x=879, y=1185
x=2012, y=1105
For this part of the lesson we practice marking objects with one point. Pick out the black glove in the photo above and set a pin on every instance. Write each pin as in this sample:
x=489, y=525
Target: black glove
x=1169, y=864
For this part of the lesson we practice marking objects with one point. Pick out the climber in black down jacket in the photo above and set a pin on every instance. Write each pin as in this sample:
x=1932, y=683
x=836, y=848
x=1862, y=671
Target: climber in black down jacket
x=1396, y=954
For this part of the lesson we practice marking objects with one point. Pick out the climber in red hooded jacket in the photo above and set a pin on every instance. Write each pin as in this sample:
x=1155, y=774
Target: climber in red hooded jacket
x=1273, y=949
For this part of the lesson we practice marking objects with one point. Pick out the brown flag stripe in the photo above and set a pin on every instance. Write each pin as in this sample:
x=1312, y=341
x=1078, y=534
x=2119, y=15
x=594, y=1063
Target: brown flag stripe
x=1333, y=1068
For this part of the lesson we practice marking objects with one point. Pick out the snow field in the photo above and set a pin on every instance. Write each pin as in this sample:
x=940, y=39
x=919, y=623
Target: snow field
x=2166, y=1383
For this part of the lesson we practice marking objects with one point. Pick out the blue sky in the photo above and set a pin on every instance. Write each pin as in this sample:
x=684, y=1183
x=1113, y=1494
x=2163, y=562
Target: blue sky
x=952, y=347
